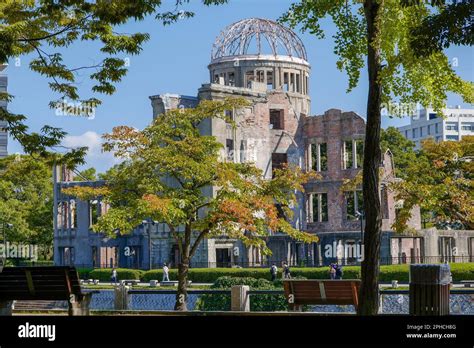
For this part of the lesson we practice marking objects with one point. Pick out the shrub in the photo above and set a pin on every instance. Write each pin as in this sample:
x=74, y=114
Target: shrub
x=265, y=302
x=104, y=274
x=85, y=272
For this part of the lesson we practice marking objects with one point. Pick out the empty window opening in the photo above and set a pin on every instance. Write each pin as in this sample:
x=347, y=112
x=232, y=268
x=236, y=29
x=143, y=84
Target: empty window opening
x=249, y=77
x=348, y=154
x=285, y=82
x=231, y=79
x=359, y=145
x=319, y=205
x=269, y=79
x=319, y=157
x=278, y=161
x=229, y=145
x=277, y=119
x=354, y=205
x=260, y=76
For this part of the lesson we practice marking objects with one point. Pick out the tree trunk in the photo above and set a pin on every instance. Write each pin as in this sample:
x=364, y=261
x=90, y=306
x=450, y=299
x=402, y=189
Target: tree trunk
x=182, y=293
x=369, y=291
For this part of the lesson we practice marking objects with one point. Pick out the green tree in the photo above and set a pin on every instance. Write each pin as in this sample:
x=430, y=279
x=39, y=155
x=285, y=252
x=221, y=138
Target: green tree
x=381, y=32
x=176, y=175
x=48, y=28
x=26, y=200
x=403, y=150
x=441, y=181
x=89, y=174
x=452, y=26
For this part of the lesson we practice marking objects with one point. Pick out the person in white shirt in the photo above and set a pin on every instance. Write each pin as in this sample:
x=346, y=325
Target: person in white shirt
x=166, y=277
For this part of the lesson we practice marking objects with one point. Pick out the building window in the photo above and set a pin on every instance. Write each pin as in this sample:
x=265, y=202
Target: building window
x=429, y=129
x=67, y=256
x=277, y=119
x=94, y=209
x=319, y=207
x=406, y=134
x=269, y=79
x=451, y=126
x=421, y=132
x=432, y=116
x=319, y=157
x=229, y=116
x=298, y=88
x=95, y=257
x=348, y=154
x=278, y=160
x=452, y=137
x=354, y=204
x=231, y=79
x=260, y=76
x=467, y=127
x=285, y=82
x=413, y=133
x=249, y=77
x=359, y=144
x=353, y=153
x=229, y=146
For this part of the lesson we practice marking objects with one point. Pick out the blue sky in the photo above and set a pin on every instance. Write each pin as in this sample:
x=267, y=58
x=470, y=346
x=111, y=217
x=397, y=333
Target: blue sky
x=175, y=60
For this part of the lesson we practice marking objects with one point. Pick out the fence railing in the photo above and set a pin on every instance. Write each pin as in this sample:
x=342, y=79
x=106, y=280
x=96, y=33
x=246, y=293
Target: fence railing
x=298, y=263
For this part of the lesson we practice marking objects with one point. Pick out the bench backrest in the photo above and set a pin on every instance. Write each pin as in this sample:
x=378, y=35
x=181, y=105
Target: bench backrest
x=39, y=283
x=313, y=292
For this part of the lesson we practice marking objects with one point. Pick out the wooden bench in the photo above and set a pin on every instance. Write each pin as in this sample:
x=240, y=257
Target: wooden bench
x=43, y=283
x=300, y=292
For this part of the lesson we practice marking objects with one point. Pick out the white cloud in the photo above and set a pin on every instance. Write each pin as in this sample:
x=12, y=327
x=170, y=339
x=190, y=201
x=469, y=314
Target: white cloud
x=101, y=161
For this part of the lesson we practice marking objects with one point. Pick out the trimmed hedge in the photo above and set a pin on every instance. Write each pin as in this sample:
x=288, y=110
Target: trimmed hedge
x=267, y=302
x=104, y=274
x=460, y=271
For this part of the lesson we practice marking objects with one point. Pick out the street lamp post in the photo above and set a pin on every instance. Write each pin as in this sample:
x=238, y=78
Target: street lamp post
x=149, y=222
x=360, y=215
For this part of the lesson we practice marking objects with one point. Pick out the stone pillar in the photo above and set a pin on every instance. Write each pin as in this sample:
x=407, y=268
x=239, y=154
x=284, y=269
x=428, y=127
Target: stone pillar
x=80, y=307
x=121, y=297
x=240, y=300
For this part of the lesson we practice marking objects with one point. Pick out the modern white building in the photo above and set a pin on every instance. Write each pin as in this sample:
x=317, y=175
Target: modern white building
x=3, y=104
x=428, y=124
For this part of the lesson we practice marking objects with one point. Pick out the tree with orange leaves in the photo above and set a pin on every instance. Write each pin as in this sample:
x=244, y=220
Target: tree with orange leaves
x=174, y=174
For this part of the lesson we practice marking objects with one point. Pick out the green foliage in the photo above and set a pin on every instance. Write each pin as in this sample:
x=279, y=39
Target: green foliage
x=267, y=302
x=168, y=169
x=46, y=29
x=461, y=271
x=406, y=77
x=88, y=174
x=26, y=200
x=440, y=180
x=452, y=26
x=403, y=150
x=104, y=274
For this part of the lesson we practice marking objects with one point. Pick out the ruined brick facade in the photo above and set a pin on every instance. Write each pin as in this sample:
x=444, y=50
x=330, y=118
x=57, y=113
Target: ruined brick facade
x=275, y=128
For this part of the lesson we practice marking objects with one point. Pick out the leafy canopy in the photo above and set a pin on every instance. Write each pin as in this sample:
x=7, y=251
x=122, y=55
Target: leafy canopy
x=176, y=175
x=440, y=180
x=46, y=29
x=406, y=77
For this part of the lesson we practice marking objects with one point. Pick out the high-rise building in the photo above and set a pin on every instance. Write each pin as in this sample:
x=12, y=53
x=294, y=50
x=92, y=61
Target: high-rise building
x=428, y=124
x=3, y=104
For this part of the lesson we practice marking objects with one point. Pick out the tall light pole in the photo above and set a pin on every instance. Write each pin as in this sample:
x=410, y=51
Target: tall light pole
x=360, y=215
x=149, y=222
